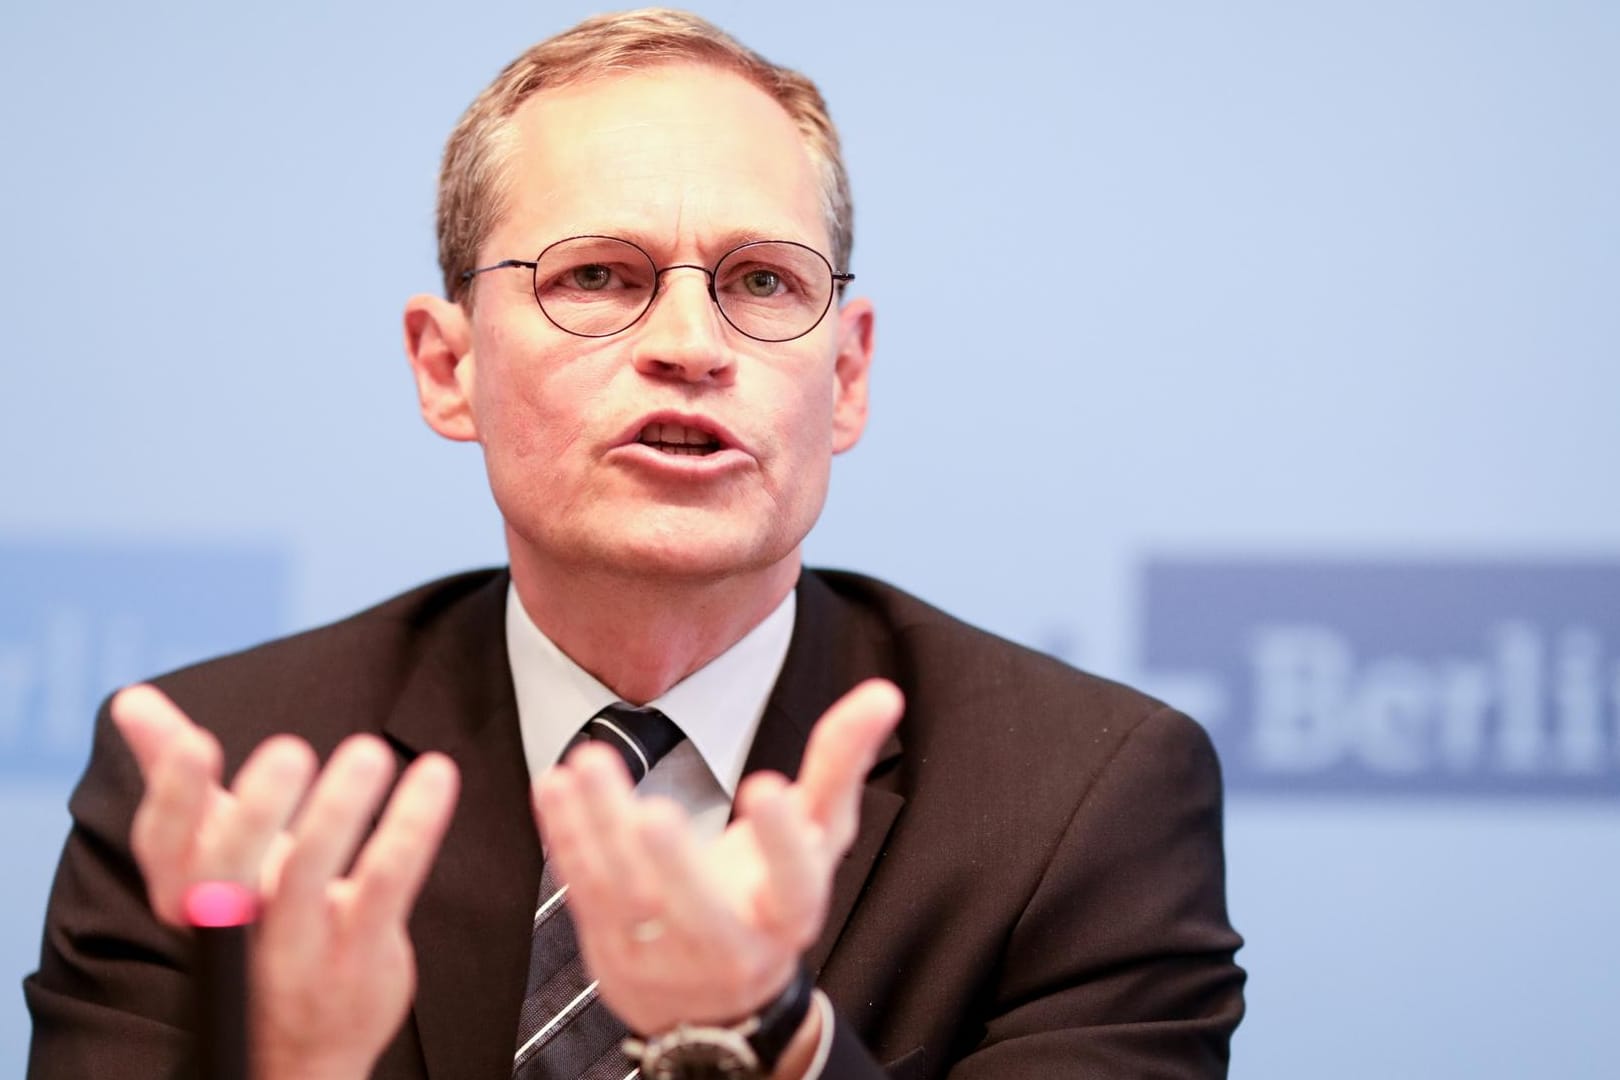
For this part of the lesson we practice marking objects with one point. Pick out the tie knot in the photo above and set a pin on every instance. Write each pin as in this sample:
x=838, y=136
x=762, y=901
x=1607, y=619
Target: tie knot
x=641, y=736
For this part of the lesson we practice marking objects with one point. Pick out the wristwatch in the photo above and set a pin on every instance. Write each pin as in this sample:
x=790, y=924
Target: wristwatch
x=746, y=1050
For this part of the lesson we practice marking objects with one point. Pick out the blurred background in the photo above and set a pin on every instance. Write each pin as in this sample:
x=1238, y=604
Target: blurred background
x=1265, y=354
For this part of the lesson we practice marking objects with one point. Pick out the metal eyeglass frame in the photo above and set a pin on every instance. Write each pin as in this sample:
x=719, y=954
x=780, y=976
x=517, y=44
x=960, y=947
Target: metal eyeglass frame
x=533, y=266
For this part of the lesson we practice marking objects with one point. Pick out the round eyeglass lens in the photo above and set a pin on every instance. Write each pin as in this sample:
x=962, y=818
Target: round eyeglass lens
x=594, y=285
x=773, y=290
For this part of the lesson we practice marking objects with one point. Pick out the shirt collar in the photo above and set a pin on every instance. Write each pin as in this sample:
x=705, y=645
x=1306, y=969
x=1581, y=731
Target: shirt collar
x=718, y=706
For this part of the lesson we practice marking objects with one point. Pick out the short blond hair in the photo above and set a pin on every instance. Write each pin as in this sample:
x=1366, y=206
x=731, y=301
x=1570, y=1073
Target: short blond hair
x=472, y=192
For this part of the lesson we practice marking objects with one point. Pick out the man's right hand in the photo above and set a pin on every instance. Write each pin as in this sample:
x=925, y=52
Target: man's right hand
x=333, y=968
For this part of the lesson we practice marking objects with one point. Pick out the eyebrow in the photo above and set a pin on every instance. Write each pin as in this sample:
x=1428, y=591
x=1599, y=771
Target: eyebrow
x=719, y=245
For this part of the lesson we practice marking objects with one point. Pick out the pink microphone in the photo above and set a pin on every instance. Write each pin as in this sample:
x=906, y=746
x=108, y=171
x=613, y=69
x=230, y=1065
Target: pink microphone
x=220, y=914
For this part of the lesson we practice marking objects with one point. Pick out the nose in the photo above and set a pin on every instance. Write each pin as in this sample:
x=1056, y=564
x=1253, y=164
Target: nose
x=683, y=336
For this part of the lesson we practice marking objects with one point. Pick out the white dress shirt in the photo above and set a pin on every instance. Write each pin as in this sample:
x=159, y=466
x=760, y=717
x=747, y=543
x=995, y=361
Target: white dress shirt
x=718, y=708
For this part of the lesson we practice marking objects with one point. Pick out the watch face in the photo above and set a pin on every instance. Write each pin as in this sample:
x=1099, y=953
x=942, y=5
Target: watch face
x=702, y=1061
x=700, y=1053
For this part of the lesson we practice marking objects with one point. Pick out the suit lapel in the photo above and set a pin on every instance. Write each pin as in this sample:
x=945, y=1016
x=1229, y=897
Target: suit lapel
x=472, y=921
x=831, y=651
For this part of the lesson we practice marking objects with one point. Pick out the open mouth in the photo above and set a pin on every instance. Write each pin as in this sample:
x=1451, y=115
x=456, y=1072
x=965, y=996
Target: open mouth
x=680, y=439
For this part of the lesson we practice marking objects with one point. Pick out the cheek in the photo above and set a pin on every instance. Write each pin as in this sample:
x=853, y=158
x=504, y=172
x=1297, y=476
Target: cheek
x=531, y=400
x=801, y=422
x=533, y=423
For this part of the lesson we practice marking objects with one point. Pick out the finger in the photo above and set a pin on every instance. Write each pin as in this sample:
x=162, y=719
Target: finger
x=565, y=832
x=275, y=858
x=148, y=721
x=843, y=747
x=169, y=819
x=172, y=826
x=796, y=872
x=328, y=830
x=172, y=816
x=611, y=815
x=266, y=791
x=395, y=861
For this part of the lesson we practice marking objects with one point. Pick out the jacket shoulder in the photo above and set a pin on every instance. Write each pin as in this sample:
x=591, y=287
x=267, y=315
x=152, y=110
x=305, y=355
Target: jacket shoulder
x=354, y=667
x=941, y=648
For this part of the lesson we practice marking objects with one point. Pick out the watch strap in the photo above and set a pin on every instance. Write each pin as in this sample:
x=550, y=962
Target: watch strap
x=778, y=1020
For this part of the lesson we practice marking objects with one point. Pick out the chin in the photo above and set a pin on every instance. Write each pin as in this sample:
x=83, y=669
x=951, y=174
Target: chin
x=695, y=558
x=665, y=544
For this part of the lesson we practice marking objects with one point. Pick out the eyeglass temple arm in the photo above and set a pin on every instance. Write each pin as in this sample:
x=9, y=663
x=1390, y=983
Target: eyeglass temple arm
x=504, y=264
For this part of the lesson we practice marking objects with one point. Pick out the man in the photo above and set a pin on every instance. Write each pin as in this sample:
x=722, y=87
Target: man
x=1020, y=877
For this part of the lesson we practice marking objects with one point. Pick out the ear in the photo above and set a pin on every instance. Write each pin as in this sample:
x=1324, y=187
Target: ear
x=850, y=369
x=438, y=341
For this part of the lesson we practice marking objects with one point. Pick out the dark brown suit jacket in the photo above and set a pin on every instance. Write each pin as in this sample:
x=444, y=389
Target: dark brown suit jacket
x=1037, y=888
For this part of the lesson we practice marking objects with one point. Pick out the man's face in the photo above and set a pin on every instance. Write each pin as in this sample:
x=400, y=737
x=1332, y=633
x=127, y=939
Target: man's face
x=687, y=162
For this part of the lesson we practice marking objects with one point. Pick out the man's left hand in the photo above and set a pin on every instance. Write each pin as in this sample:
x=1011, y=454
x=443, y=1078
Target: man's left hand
x=677, y=930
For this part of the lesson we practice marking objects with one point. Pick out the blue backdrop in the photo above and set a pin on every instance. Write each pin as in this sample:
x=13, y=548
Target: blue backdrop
x=1265, y=353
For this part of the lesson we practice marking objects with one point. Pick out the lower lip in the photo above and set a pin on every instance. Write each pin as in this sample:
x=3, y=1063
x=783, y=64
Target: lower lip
x=691, y=466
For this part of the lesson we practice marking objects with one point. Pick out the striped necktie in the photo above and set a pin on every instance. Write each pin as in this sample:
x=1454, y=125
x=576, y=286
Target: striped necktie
x=564, y=1032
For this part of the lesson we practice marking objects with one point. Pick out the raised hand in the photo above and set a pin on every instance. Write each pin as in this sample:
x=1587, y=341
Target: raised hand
x=678, y=930
x=333, y=969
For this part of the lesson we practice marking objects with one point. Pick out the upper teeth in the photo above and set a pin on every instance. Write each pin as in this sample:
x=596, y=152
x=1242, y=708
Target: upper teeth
x=678, y=434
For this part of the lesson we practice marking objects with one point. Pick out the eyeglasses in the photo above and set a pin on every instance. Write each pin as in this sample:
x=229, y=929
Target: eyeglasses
x=597, y=286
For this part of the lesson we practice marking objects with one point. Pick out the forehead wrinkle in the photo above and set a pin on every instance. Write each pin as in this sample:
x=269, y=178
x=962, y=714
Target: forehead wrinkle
x=680, y=217
x=675, y=240
x=667, y=182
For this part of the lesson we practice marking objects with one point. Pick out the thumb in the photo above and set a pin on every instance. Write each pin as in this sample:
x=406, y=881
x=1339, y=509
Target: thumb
x=149, y=723
x=843, y=747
